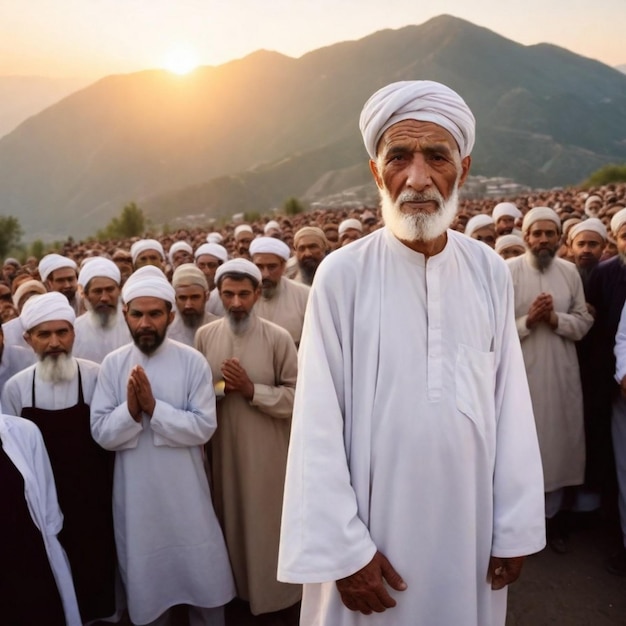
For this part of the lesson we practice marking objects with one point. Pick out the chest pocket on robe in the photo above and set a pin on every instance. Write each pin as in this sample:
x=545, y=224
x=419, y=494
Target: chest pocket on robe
x=475, y=386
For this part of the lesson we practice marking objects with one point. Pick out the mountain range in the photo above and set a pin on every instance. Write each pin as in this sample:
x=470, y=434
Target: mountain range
x=245, y=135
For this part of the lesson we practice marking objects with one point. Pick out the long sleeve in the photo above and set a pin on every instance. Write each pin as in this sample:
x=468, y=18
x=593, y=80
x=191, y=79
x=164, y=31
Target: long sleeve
x=620, y=348
x=577, y=321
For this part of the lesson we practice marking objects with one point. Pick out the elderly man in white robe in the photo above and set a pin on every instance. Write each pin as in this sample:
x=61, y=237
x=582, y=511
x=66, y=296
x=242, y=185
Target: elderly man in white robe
x=414, y=485
x=102, y=328
x=254, y=362
x=155, y=407
x=283, y=301
x=192, y=293
x=55, y=394
x=551, y=315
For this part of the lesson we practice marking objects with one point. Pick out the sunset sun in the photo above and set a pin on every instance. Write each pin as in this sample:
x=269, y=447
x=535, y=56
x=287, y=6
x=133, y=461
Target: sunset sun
x=181, y=61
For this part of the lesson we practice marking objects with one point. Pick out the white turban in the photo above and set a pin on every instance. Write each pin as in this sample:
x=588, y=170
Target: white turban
x=617, y=221
x=48, y=307
x=348, y=224
x=271, y=225
x=148, y=282
x=28, y=286
x=189, y=274
x=421, y=100
x=98, y=267
x=589, y=201
x=540, y=213
x=270, y=245
x=478, y=221
x=52, y=262
x=239, y=266
x=242, y=228
x=592, y=224
x=505, y=208
x=146, y=244
x=214, y=238
x=508, y=241
x=176, y=247
x=214, y=249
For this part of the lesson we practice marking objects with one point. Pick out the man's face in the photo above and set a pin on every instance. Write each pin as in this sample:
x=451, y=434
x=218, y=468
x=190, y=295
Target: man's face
x=542, y=239
x=486, y=234
x=511, y=252
x=180, y=257
x=418, y=171
x=8, y=271
x=65, y=281
x=505, y=225
x=238, y=298
x=148, y=319
x=242, y=244
x=49, y=340
x=208, y=264
x=348, y=236
x=271, y=267
x=149, y=257
x=587, y=249
x=190, y=302
x=103, y=295
x=309, y=252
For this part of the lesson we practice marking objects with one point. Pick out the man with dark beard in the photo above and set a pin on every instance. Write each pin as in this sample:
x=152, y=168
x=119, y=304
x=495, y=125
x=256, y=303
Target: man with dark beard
x=551, y=315
x=587, y=240
x=154, y=406
x=102, y=328
x=192, y=292
x=413, y=453
x=311, y=247
x=254, y=363
x=55, y=394
x=283, y=301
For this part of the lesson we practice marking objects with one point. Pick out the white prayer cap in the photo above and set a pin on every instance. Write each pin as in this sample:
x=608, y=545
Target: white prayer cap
x=592, y=224
x=214, y=238
x=28, y=286
x=48, y=307
x=270, y=245
x=214, y=249
x=478, y=221
x=348, y=224
x=52, y=262
x=272, y=225
x=508, y=241
x=242, y=228
x=148, y=282
x=239, y=266
x=421, y=100
x=617, y=221
x=177, y=247
x=189, y=274
x=540, y=213
x=589, y=201
x=98, y=267
x=146, y=244
x=505, y=208
x=310, y=231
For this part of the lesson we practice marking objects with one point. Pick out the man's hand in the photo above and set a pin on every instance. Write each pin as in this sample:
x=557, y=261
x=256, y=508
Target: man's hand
x=132, y=402
x=365, y=590
x=143, y=389
x=503, y=572
x=236, y=379
x=540, y=310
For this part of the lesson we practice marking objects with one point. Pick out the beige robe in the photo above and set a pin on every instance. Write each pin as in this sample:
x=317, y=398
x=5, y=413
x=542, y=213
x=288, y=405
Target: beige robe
x=552, y=366
x=286, y=308
x=249, y=455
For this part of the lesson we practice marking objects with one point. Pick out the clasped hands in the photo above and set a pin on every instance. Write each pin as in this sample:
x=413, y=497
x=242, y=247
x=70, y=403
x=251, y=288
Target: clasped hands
x=139, y=397
x=236, y=379
x=542, y=310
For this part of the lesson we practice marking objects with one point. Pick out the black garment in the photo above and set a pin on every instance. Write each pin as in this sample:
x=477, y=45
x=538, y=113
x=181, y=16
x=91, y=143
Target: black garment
x=83, y=472
x=28, y=592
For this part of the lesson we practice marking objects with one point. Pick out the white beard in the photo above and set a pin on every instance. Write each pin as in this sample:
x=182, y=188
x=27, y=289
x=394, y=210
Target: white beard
x=239, y=327
x=57, y=370
x=419, y=226
x=102, y=320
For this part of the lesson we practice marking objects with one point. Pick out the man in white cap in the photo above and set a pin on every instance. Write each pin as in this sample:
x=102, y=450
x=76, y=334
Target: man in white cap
x=482, y=228
x=254, y=363
x=155, y=407
x=13, y=331
x=243, y=238
x=350, y=230
x=510, y=246
x=283, y=301
x=593, y=205
x=273, y=229
x=606, y=293
x=180, y=252
x=311, y=247
x=102, y=328
x=192, y=294
x=414, y=478
x=209, y=257
x=147, y=252
x=586, y=241
x=551, y=315
x=505, y=215
x=55, y=394
x=59, y=273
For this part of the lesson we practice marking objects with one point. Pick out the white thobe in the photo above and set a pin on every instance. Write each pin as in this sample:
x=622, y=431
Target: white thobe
x=185, y=334
x=24, y=445
x=412, y=434
x=14, y=333
x=94, y=342
x=14, y=360
x=214, y=304
x=552, y=365
x=170, y=547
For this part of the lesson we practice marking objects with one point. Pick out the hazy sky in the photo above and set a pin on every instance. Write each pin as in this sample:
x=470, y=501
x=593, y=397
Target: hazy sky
x=92, y=38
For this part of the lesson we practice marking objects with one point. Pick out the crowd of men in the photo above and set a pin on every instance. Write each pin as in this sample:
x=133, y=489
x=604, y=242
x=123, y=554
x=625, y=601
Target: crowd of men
x=162, y=373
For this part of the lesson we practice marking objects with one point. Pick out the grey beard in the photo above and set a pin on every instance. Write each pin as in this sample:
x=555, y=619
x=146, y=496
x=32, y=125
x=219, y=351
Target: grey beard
x=238, y=327
x=57, y=369
x=542, y=259
x=268, y=291
x=104, y=319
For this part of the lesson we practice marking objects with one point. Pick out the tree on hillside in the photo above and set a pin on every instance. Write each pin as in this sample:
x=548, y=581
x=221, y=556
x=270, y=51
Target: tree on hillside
x=293, y=206
x=10, y=234
x=611, y=173
x=37, y=249
x=130, y=223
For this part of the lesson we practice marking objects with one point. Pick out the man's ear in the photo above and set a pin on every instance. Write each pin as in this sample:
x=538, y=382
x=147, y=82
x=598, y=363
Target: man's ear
x=376, y=174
